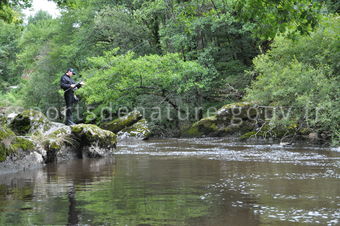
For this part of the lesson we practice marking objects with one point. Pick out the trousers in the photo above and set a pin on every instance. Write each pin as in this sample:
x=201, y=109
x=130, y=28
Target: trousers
x=69, y=100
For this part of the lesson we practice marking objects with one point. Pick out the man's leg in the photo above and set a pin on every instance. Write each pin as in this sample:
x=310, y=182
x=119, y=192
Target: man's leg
x=69, y=103
x=69, y=115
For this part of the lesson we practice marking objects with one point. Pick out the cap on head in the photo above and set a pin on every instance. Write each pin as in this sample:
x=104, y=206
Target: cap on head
x=71, y=70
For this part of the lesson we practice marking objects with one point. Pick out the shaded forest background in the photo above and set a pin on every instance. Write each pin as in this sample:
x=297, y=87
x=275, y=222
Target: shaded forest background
x=177, y=55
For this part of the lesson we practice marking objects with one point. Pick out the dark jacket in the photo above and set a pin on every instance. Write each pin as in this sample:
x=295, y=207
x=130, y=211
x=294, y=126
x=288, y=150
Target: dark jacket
x=65, y=84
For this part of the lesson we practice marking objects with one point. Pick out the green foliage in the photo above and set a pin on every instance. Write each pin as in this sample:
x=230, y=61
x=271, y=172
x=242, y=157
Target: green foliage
x=121, y=80
x=212, y=44
x=12, y=98
x=332, y=6
x=116, y=27
x=36, y=63
x=210, y=33
x=303, y=75
x=9, y=35
x=7, y=10
x=272, y=17
x=38, y=17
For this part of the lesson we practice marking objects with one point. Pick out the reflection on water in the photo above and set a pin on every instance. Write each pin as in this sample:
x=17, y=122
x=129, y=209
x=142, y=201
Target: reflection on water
x=180, y=182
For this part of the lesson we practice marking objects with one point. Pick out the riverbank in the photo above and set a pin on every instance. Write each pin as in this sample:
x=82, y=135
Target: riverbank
x=30, y=140
x=249, y=120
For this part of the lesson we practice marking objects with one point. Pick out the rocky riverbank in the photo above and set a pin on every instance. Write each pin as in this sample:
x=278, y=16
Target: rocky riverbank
x=29, y=140
x=250, y=120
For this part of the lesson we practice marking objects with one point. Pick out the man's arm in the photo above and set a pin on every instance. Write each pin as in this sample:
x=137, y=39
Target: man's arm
x=66, y=83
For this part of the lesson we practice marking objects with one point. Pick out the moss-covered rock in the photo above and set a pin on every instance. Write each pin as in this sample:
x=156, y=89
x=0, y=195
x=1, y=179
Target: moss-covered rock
x=30, y=121
x=237, y=129
x=91, y=133
x=49, y=141
x=231, y=119
x=94, y=141
x=17, y=153
x=3, y=118
x=6, y=138
x=205, y=126
x=123, y=122
x=78, y=141
x=242, y=110
x=139, y=130
x=269, y=130
x=24, y=144
x=60, y=144
x=11, y=144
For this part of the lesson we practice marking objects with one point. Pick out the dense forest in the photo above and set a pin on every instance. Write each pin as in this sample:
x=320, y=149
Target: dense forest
x=178, y=57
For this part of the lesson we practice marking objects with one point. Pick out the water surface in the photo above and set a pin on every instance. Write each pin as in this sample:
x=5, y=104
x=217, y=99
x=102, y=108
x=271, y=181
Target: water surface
x=180, y=182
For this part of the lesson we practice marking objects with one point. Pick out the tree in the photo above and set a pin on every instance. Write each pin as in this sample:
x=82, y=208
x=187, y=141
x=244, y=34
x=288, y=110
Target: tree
x=117, y=81
x=9, y=35
x=304, y=76
x=270, y=18
x=35, y=63
x=7, y=12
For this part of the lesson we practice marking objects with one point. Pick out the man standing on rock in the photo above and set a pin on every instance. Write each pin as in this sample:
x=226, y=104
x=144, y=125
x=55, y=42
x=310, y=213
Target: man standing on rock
x=69, y=86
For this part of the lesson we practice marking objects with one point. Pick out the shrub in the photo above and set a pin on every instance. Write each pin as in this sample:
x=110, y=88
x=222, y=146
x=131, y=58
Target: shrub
x=303, y=75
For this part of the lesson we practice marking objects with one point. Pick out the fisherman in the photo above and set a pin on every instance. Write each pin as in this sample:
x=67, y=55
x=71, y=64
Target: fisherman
x=69, y=86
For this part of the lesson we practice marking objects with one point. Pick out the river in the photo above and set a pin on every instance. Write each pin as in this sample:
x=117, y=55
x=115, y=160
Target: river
x=208, y=181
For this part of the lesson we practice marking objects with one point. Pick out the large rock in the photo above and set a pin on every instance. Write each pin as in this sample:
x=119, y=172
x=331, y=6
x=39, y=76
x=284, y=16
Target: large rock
x=94, y=141
x=47, y=141
x=60, y=145
x=29, y=122
x=3, y=118
x=206, y=126
x=123, y=122
x=17, y=153
x=11, y=144
x=79, y=141
x=139, y=130
x=230, y=113
x=231, y=119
